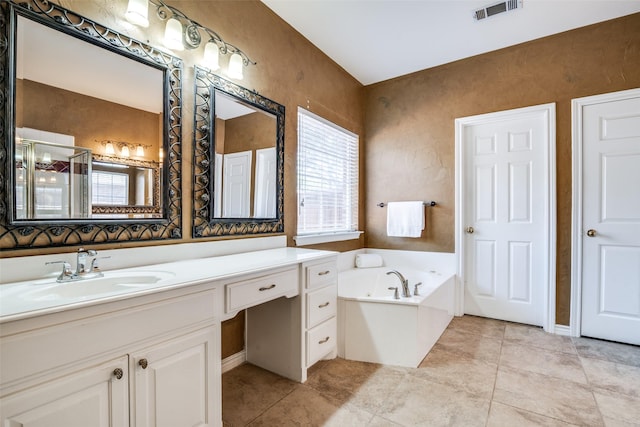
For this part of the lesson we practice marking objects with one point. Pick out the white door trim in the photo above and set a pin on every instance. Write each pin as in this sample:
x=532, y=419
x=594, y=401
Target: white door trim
x=577, y=106
x=549, y=110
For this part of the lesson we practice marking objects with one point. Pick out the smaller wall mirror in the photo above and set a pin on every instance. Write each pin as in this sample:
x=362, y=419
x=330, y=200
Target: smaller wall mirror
x=238, y=160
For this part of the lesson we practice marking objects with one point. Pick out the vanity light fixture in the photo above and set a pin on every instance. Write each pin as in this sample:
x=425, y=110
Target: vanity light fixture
x=211, y=56
x=182, y=32
x=125, y=148
x=138, y=12
x=108, y=149
x=173, y=35
x=235, y=67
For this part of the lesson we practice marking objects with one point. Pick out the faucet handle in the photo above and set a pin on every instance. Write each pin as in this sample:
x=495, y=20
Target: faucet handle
x=395, y=293
x=94, y=264
x=66, y=270
x=415, y=288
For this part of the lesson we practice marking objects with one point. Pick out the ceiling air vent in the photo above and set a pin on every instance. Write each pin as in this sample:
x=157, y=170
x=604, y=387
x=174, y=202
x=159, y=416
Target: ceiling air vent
x=494, y=9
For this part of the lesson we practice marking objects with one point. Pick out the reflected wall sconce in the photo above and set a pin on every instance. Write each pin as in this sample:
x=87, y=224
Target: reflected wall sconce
x=125, y=148
x=182, y=32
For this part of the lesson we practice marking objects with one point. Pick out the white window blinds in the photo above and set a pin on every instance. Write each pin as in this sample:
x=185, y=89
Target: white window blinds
x=327, y=176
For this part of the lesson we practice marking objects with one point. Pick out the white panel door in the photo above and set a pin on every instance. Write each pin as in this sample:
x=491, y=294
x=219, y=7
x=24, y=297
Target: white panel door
x=611, y=220
x=96, y=397
x=175, y=383
x=236, y=193
x=506, y=197
x=266, y=175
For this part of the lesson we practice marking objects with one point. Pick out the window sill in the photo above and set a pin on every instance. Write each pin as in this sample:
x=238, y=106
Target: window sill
x=314, y=239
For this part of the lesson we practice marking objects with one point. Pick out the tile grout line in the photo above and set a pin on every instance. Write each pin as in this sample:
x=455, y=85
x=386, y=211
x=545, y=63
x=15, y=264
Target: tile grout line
x=495, y=379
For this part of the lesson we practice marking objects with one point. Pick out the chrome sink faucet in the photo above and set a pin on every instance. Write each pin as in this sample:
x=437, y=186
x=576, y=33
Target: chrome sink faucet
x=81, y=262
x=83, y=271
x=405, y=283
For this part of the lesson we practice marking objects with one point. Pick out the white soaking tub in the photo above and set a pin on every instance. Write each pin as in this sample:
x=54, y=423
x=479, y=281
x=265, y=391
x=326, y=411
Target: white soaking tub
x=376, y=327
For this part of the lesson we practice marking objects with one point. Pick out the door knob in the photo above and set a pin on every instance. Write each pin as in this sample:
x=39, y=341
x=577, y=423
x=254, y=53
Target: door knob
x=591, y=233
x=470, y=230
x=143, y=363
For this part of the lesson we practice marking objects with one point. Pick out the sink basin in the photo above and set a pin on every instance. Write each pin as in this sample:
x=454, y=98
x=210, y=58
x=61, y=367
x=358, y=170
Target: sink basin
x=110, y=283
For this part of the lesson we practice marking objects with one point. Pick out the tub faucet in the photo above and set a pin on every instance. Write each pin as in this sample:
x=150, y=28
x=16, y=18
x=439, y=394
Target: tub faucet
x=405, y=283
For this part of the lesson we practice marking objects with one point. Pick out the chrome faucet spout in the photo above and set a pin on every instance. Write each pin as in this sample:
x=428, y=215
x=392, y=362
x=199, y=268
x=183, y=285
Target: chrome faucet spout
x=405, y=283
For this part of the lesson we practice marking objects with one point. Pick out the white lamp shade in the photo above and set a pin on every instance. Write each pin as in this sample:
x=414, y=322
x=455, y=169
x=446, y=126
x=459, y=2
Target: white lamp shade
x=235, y=67
x=173, y=35
x=46, y=157
x=140, y=151
x=109, y=150
x=138, y=12
x=125, y=151
x=211, y=56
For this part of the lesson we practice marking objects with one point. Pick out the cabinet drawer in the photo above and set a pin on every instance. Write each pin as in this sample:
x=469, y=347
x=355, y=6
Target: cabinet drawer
x=247, y=293
x=321, y=305
x=321, y=274
x=321, y=341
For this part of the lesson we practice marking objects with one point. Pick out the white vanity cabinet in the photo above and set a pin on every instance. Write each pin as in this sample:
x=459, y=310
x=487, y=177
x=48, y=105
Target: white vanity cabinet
x=93, y=396
x=321, y=300
x=152, y=358
x=151, y=361
x=288, y=335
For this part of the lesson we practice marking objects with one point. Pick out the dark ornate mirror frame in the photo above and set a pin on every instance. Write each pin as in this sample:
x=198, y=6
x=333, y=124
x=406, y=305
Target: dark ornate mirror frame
x=204, y=223
x=22, y=234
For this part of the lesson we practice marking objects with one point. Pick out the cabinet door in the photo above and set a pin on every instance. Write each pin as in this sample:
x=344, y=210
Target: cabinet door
x=95, y=396
x=176, y=383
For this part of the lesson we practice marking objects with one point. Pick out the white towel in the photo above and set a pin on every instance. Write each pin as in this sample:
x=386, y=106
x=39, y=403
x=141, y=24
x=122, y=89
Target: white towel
x=368, y=260
x=405, y=219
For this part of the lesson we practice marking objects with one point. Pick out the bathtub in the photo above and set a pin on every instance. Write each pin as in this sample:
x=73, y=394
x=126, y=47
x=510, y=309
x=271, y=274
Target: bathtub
x=373, y=326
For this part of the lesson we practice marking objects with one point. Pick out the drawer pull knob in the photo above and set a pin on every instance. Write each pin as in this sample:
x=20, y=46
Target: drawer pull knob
x=266, y=288
x=118, y=373
x=323, y=341
x=143, y=363
x=323, y=305
x=324, y=273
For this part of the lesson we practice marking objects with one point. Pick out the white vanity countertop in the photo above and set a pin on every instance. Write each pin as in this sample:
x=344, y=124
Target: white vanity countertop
x=22, y=300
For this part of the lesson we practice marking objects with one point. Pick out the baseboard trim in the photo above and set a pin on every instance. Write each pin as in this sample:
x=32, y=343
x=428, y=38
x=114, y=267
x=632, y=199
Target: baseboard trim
x=234, y=361
x=562, y=330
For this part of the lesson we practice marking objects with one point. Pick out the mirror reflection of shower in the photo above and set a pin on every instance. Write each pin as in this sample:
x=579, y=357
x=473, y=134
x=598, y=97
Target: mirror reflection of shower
x=52, y=176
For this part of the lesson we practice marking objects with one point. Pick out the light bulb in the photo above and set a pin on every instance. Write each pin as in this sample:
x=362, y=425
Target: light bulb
x=138, y=12
x=173, y=35
x=235, y=67
x=109, y=150
x=140, y=151
x=124, y=152
x=211, y=56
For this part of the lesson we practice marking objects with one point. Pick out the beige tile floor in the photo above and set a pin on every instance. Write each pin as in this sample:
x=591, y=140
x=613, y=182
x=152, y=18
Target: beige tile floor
x=482, y=372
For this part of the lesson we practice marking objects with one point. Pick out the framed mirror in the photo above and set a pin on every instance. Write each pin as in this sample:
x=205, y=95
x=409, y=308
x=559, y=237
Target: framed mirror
x=238, y=162
x=91, y=131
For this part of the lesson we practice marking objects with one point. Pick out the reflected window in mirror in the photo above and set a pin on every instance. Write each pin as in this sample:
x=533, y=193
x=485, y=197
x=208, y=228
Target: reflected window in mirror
x=73, y=83
x=238, y=159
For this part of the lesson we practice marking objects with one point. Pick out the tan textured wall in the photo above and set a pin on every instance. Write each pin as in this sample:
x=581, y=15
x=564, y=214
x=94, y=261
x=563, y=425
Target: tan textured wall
x=410, y=124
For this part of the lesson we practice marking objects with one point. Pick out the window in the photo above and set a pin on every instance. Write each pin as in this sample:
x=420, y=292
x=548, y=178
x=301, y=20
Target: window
x=327, y=181
x=109, y=188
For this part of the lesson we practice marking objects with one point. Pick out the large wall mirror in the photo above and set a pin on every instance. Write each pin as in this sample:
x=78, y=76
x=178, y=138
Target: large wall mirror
x=238, y=160
x=92, y=128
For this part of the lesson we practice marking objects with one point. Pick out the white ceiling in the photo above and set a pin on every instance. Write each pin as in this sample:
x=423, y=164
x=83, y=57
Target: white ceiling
x=376, y=40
